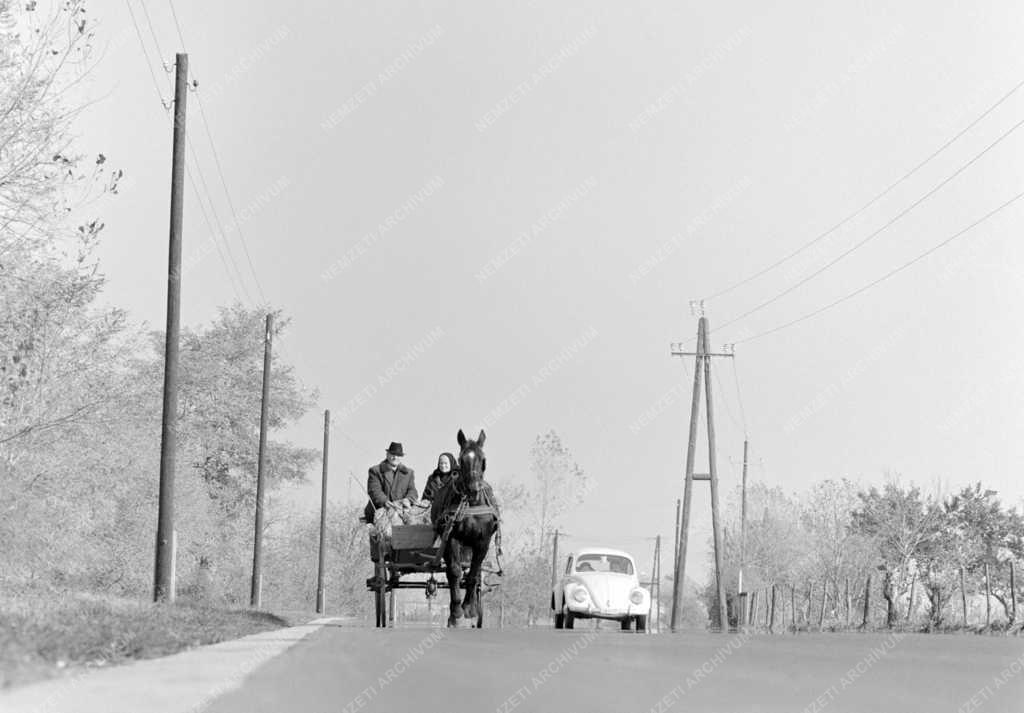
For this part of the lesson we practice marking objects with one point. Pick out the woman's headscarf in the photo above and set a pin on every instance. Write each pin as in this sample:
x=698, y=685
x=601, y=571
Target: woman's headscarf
x=451, y=459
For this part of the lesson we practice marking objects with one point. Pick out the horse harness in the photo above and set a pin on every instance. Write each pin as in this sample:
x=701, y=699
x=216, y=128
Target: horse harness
x=463, y=511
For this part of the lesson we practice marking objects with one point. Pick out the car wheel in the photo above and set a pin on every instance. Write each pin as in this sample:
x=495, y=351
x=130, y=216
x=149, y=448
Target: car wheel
x=570, y=620
x=641, y=622
x=626, y=623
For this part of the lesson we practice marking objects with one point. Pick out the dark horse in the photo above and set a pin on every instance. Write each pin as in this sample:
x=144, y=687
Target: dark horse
x=466, y=511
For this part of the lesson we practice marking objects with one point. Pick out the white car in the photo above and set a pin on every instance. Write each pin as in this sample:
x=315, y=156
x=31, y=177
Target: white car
x=600, y=583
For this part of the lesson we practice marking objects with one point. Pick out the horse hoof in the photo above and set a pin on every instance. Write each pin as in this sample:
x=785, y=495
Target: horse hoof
x=469, y=611
x=453, y=623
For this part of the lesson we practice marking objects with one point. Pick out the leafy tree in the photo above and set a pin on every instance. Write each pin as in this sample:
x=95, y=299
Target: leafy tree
x=900, y=524
x=978, y=532
x=558, y=483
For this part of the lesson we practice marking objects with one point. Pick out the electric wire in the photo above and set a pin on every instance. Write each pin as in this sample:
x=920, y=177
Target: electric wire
x=220, y=169
x=872, y=201
x=739, y=397
x=188, y=172
x=216, y=219
x=877, y=232
x=145, y=55
x=887, y=275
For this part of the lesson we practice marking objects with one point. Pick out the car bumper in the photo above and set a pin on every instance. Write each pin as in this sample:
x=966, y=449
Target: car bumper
x=589, y=610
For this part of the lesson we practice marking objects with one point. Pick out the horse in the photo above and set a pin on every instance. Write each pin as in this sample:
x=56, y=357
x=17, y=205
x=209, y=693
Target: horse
x=465, y=516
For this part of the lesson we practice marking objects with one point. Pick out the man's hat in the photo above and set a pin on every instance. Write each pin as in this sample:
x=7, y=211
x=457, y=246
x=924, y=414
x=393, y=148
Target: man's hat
x=396, y=449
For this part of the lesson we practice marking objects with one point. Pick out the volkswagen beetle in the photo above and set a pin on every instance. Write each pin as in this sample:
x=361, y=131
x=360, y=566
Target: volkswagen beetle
x=600, y=583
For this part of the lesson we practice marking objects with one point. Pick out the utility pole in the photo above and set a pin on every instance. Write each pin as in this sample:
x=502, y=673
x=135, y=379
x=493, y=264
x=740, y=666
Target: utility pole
x=320, y=595
x=702, y=368
x=255, y=595
x=675, y=537
x=657, y=582
x=743, y=520
x=163, y=570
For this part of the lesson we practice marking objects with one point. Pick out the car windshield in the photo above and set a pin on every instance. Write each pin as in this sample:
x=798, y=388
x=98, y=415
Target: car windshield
x=604, y=563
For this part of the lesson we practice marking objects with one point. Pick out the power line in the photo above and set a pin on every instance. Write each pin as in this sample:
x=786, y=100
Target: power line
x=725, y=403
x=216, y=219
x=220, y=169
x=198, y=168
x=156, y=42
x=889, y=274
x=145, y=55
x=739, y=396
x=871, y=236
x=213, y=238
x=872, y=201
x=177, y=25
x=227, y=193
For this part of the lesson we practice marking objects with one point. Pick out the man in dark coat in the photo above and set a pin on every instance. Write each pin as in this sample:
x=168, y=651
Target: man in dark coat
x=389, y=481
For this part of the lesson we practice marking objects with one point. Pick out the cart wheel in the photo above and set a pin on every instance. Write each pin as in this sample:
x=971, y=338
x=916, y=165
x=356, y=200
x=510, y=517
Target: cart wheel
x=381, y=607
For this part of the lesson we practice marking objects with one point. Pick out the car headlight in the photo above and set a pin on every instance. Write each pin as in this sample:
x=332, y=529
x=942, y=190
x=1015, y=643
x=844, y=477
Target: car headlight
x=579, y=595
x=637, y=596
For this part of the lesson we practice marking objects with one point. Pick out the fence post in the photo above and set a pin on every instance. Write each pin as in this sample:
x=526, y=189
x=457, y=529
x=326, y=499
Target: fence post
x=963, y=594
x=824, y=598
x=807, y=606
x=867, y=603
x=849, y=604
x=1013, y=595
x=792, y=606
x=988, y=601
x=752, y=612
x=771, y=620
x=767, y=607
x=910, y=602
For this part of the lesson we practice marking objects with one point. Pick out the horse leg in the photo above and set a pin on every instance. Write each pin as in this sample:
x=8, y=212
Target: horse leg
x=453, y=572
x=471, y=605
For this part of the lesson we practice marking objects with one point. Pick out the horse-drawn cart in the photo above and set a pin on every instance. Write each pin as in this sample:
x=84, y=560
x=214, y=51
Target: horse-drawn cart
x=409, y=550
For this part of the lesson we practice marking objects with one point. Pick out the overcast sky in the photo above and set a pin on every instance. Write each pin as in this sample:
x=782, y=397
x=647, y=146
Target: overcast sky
x=496, y=214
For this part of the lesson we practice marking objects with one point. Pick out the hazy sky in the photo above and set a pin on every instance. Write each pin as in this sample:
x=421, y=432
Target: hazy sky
x=510, y=206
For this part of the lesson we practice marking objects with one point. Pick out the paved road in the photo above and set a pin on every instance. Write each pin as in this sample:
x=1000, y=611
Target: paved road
x=341, y=668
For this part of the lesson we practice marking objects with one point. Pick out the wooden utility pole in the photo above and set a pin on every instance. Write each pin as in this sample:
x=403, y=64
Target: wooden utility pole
x=702, y=370
x=163, y=570
x=256, y=591
x=675, y=538
x=653, y=584
x=320, y=594
x=743, y=519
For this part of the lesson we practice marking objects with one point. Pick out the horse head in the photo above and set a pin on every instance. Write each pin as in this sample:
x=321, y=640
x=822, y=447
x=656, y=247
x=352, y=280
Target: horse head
x=472, y=464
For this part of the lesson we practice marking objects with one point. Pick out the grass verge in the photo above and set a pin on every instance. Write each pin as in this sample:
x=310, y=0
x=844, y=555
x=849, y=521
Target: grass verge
x=47, y=635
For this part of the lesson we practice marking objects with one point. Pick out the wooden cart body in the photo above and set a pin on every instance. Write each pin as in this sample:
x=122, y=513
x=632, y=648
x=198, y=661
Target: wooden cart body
x=411, y=550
